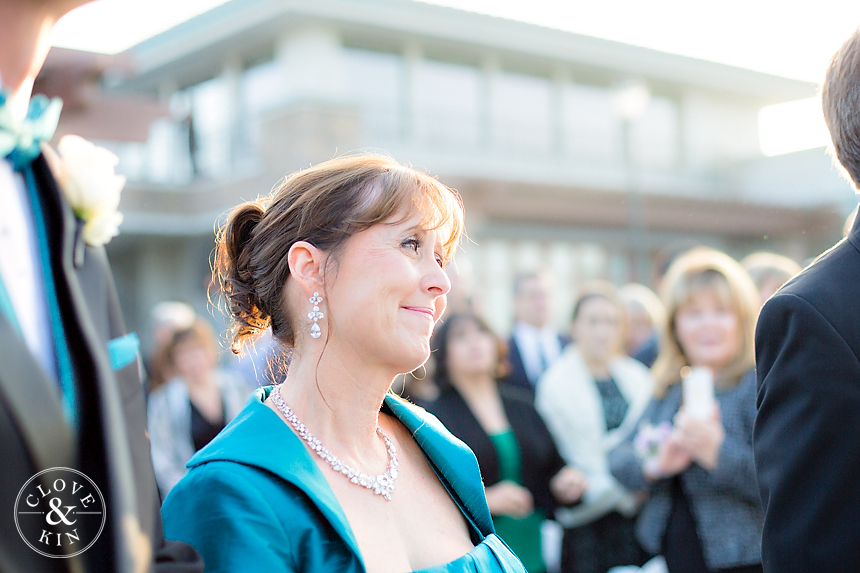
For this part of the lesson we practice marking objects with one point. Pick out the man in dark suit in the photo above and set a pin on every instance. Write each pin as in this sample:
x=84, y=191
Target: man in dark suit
x=807, y=432
x=70, y=394
x=533, y=345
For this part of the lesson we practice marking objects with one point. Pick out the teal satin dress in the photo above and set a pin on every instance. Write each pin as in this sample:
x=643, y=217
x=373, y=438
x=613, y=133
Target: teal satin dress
x=247, y=507
x=491, y=556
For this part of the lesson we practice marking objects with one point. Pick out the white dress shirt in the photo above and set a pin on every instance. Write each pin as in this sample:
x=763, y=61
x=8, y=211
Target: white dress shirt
x=539, y=348
x=21, y=269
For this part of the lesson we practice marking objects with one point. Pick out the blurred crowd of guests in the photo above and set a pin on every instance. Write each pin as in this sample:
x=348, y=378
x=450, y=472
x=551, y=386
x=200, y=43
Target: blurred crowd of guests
x=557, y=420
x=190, y=396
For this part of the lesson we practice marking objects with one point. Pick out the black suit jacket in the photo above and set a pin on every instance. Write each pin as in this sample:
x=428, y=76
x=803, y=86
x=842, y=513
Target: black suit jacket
x=807, y=431
x=517, y=376
x=540, y=458
x=111, y=446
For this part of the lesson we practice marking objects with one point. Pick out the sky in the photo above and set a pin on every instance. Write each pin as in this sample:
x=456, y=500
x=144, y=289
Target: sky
x=791, y=38
x=112, y=26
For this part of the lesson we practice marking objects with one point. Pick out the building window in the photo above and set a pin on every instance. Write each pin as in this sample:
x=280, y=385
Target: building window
x=447, y=98
x=373, y=82
x=591, y=129
x=521, y=113
x=654, y=136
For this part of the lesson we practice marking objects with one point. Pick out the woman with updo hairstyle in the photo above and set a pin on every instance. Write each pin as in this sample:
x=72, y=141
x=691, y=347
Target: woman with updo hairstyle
x=524, y=475
x=330, y=471
x=591, y=398
x=692, y=452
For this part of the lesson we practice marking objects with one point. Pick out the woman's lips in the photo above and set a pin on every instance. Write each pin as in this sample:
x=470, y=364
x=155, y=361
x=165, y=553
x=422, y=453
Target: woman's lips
x=422, y=310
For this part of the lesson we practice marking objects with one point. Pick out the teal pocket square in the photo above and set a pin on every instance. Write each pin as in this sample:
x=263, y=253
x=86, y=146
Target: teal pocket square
x=123, y=350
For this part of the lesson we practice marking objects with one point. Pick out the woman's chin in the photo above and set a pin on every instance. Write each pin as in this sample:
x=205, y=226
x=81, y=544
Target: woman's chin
x=410, y=361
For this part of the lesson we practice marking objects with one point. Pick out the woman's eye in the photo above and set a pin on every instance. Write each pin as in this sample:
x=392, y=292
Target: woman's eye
x=412, y=244
x=440, y=261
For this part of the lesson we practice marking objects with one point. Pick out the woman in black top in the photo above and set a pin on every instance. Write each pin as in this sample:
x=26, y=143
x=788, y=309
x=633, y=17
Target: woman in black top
x=523, y=472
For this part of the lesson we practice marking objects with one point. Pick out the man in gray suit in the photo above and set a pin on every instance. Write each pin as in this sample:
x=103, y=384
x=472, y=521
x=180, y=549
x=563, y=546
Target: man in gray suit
x=71, y=402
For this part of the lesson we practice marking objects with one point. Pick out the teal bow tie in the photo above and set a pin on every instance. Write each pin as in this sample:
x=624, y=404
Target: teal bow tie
x=20, y=140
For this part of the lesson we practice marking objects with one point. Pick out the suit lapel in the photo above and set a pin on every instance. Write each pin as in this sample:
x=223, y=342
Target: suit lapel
x=34, y=402
x=103, y=435
x=518, y=368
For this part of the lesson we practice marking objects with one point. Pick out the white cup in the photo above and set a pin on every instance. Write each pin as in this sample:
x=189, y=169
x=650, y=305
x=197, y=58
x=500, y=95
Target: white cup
x=698, y=392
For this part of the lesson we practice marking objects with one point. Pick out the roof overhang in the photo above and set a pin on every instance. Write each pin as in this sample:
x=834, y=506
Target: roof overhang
x=246, y=31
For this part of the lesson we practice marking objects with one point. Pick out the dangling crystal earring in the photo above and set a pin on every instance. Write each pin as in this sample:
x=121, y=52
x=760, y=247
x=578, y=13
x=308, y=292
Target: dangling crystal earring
x=315, y=314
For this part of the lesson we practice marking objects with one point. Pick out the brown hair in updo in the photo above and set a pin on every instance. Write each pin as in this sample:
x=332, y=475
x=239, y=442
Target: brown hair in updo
x=324, y=205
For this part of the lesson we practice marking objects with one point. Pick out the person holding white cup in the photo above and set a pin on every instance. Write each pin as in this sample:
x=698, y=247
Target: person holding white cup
x=692, y=451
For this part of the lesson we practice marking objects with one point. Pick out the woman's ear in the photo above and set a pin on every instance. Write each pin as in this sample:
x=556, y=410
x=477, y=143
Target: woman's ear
x=306, y=266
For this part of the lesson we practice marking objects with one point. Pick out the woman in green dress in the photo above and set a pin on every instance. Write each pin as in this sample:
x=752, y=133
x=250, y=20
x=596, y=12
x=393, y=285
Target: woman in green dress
x=328, y=471
x=524, y=475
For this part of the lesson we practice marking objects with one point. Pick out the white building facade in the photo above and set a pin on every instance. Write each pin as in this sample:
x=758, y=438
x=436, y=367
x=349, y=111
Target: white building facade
x=533, y=126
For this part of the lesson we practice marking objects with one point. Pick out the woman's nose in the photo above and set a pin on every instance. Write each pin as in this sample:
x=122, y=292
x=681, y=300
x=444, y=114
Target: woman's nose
x=436, y=280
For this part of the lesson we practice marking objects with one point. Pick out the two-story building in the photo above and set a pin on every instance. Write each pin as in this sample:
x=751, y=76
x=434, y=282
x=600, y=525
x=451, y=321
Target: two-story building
x=575, y=154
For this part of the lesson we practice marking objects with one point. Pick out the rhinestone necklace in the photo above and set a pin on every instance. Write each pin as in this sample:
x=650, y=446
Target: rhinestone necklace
x=383, y=484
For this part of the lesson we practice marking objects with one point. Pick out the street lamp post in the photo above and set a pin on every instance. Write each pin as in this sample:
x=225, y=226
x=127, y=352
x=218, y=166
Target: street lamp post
x=629, y=101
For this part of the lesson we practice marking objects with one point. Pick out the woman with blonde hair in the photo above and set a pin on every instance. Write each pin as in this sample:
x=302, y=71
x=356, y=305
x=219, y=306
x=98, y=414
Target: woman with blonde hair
x=591, y=399
x=330, y=471
x=692, y=452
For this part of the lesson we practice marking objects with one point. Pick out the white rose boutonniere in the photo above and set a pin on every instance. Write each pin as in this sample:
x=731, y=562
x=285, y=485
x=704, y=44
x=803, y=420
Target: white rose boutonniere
x=86, y=175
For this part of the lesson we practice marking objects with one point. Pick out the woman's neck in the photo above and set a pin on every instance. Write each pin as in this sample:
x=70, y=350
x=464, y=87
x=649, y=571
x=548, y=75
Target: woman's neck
x=599, y=368
x=339, y=403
